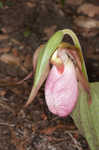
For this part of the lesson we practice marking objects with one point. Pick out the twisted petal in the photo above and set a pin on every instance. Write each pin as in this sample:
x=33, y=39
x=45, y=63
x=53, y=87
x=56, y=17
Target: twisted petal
x=61, y=90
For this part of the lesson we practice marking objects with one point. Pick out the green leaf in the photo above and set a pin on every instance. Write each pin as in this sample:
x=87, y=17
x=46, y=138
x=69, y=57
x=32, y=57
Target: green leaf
x=94, y=109
x=42, y=68
x=86, y=117
x=42, y=78
x=43, y=58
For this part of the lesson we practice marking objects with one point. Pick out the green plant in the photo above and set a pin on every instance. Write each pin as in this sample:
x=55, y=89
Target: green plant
x=86, y=111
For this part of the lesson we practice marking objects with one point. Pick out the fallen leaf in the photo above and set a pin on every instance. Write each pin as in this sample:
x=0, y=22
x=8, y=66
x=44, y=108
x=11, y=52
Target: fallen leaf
x=49, y=31
x=28, y=61
x=86, y=26
x=50, y=130
x=18, y=142
x=15, y=52
x=3, y=92
x=86, y=22
x=18, y=91
x=3, y=50
x=74, y=2
x=10, y=59
x=89, y=9
x=17, y=42
x=43, y=116
x=4, y=36
x=31, y=4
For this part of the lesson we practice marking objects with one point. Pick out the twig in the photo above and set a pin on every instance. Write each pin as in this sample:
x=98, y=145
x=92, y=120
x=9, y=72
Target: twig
x=6, y=124
x=4, y=105
x=77, y=144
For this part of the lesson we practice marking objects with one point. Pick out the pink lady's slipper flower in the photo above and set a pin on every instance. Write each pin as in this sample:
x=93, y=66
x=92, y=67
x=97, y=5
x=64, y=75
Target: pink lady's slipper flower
x=61, y=88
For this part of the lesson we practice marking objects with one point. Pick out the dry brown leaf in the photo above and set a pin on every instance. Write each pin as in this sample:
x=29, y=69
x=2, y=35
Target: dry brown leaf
x=18, y=142
x=3, y=36
x=50, y=130
x=3, y=50
x=74, y=2
x=86, y=22
x=43, y=116
x=15, y=52
x=31, y=4
x=17, y=91
x=3, y=92
x=17, y=42
x=10, y=59
x=49, y=31
x=89, y=9
x=28, y=61
x=86, y=26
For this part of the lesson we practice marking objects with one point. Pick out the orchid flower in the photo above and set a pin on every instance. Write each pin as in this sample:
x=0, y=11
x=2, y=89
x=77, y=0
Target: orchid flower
x=61, y=88
x=62, y=66
x=67, y=73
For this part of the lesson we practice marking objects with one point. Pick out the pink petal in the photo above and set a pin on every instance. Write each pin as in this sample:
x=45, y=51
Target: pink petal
x=61, y=90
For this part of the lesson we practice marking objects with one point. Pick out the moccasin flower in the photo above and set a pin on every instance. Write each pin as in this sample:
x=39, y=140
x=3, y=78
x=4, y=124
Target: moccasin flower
x=61, y=87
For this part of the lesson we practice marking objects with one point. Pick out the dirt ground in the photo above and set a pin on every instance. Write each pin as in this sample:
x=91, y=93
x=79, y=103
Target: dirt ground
x=24, y=25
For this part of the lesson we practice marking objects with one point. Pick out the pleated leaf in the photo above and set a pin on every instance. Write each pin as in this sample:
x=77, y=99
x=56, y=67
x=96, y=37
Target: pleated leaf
x=86, y=117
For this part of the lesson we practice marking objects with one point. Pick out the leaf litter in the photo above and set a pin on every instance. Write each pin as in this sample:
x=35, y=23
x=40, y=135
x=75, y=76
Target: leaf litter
x=28, y=128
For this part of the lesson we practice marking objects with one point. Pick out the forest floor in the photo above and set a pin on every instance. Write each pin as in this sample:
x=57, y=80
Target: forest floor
x=24, y=25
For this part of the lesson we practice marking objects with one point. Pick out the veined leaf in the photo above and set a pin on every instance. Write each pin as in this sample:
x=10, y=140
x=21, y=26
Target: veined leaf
x=87, y=118
x=94, y=109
